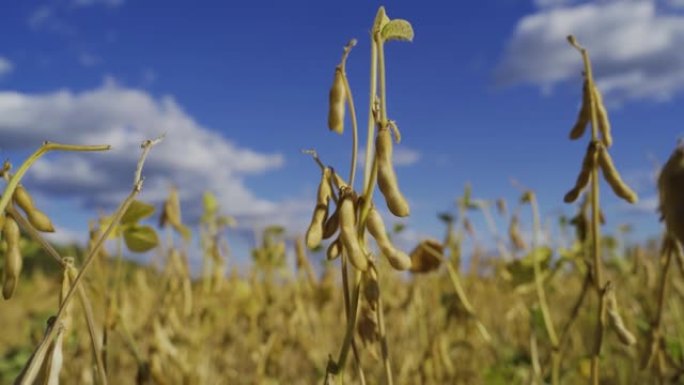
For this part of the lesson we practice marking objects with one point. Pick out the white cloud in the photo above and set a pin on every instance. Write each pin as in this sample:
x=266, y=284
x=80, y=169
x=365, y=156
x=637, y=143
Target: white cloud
x=192, y=156
x=635, y=48
x=6, y=66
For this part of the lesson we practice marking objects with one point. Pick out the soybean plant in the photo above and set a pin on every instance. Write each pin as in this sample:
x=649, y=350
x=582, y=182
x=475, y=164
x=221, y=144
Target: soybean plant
x=355, y=211
x=594, y=113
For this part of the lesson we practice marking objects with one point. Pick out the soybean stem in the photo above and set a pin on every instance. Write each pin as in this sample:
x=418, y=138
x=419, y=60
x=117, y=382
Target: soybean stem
x=541, y=293
x=352, y=111
x=45, y=148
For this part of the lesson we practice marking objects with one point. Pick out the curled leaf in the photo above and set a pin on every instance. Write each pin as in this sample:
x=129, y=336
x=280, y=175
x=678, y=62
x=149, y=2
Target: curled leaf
x=427, y=256
x=397, y=29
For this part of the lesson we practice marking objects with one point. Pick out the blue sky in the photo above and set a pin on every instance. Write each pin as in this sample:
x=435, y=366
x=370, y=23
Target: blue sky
x=486, y=92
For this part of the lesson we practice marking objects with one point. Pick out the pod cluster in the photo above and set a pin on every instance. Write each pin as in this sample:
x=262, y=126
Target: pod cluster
x=344, y=221
x=592, y=95
x=597, y=155
x=11, y=235
x=597, y=150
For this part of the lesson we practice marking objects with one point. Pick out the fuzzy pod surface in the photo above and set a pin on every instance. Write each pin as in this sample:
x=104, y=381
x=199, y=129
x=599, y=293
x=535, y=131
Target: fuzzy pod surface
x=387, y=179
x=336, y=102
x=314, y=234
x=397, y=258
x=348, y=237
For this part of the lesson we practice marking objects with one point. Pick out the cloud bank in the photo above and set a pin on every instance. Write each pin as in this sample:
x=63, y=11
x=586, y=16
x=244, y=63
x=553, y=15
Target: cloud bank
x=635, y=47
x=192, y=156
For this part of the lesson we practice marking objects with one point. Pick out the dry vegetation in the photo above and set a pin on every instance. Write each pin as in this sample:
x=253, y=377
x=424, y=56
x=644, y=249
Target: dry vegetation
x=582, y=308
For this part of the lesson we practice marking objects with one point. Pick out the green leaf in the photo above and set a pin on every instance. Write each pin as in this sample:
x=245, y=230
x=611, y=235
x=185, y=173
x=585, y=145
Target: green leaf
x=541, y=254
x=522, y=270
x=397, y=29
x=140, y=239
x=104, y=223
x=136, y=211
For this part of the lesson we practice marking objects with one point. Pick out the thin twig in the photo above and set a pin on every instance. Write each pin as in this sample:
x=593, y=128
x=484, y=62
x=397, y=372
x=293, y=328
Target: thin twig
x=28, y=376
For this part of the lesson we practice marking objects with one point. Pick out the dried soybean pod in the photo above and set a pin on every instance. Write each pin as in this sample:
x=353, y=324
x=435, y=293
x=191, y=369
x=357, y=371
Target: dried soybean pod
x=371, y=288
x=331, y=224
x=585, y=173
x=398, y=259
x=514, y=234
x=10, y=231
x=13, y=264
x=602, y=115
x=13, y=260
x=584, y=115
x=22, y=198
x=67, y=281
x=348, y=237
x=334, y=249
x=616, y=323
x=314, y=233
x=40, y=221
x=387, y=180
x=337, y=98
x=367, y=326
x=612, y=176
